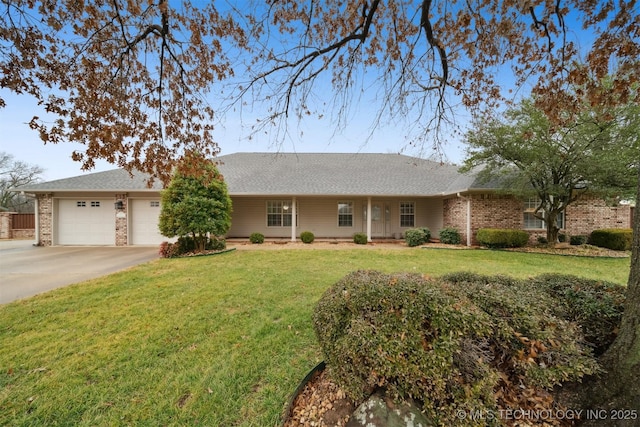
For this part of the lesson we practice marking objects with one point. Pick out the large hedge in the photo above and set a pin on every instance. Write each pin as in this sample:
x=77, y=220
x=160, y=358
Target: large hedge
x=460, y=342
x=618, y=239
x=502, y=238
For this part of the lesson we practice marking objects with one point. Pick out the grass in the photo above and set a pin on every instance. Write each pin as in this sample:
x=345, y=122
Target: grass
x=215, y=341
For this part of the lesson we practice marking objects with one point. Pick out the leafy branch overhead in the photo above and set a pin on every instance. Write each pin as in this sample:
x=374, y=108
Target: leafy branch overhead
x=138, y=83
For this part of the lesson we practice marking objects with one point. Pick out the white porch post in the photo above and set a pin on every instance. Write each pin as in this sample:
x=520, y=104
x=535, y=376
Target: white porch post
x=293, y=219
x=368, y=219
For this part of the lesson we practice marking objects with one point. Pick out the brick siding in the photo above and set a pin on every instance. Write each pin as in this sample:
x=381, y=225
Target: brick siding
x=502, y=211
x=122, y=220
x=45, y=217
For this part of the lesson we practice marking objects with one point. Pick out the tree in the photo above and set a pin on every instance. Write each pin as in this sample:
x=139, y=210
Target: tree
x=15, y=173
x=196, y=202
x=128, y=79
x=528, y=155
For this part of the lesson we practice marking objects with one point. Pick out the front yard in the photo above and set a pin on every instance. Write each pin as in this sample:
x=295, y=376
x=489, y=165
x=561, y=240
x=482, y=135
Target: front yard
x=216, y=341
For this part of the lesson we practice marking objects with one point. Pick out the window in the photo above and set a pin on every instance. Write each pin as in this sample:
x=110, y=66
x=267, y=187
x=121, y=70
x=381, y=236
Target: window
x=533, y=223
x=407, y=214
x=345, y=214
x=278, y=213
x=154, y=204
x=95, y=204
x=81, y=204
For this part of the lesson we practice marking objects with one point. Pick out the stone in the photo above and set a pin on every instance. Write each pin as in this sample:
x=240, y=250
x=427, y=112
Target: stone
x=377, y=411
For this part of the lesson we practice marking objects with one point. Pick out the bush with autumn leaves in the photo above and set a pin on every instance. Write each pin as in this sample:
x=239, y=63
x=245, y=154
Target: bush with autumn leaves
x=464, y=342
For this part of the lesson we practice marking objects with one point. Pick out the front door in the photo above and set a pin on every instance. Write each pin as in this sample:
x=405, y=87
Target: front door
x=380, y=218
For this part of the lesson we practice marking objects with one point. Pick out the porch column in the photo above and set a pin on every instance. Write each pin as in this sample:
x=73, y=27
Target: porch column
x=368, y=219
x=293, y=219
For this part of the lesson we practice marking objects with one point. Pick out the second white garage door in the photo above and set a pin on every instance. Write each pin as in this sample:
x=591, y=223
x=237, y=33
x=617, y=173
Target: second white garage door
x=86, y=222
x=144, y=214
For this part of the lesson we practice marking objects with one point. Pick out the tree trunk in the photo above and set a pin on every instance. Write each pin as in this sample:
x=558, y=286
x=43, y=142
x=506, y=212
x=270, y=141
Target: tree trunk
x=551, y=221
x=619, y=388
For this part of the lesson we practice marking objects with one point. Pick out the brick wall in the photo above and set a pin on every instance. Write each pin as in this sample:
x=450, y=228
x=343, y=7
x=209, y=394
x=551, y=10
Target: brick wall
x=502, y=211
x=6, y=225
x=45, y=217
x=588, y=214
x=487, y=211
x=121, y=220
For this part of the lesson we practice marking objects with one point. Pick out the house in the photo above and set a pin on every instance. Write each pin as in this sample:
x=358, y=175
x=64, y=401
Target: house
x=281, y=195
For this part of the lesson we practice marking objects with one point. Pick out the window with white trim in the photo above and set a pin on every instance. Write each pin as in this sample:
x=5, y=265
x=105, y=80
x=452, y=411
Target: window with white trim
x=81, y=204
x=345, y=214
x=531, y=222
x=154, y=203
x=95, y=204
x=279, y=213
x=407, y=214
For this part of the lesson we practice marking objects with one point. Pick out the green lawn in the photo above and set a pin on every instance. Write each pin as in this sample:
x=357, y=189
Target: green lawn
x=217, y=341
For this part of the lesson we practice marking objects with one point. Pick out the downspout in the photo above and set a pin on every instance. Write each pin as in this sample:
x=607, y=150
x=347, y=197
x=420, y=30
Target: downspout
x=468, y=200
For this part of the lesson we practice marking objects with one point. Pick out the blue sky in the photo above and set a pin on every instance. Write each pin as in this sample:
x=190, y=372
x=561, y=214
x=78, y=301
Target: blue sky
x=312, y=135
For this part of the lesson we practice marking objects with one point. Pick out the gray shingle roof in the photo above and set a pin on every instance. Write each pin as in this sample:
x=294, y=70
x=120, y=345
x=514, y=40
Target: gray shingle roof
x=300, y=174
x=113, y=180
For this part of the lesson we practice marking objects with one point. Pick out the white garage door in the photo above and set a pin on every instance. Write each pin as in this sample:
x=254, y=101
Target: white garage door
x=144, y=214
x=86, y=222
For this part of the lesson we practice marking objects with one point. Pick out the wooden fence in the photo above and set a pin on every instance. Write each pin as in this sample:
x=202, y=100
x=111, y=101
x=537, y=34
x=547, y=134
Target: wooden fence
x=23, y=221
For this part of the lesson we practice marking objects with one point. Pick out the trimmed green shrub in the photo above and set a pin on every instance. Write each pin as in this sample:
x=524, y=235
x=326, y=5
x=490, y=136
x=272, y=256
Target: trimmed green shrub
x=257, y=238
x=617, y=239
x=360, y=239
x=215, y=244
x=577, y=240
x=562, y=237
x=307, y=237
x=416, y=236
x=427, y=234
x=542, y=240
x=502, y=238
x=450, y=236
x=448, y=343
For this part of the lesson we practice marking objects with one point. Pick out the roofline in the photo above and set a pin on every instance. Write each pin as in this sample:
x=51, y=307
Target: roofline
x=85, y=190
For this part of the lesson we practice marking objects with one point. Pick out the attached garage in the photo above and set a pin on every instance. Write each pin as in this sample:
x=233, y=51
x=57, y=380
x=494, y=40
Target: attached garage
x=85, y=221
x=143, y=220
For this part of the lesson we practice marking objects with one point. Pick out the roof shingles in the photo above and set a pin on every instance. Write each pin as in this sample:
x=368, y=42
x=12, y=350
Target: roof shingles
x=299, y=174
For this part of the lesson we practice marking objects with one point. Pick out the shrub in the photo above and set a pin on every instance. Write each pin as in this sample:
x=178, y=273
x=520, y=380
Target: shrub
x=360, y=238
x=450, y=236
x=168, y=250
x=416, y=236
x=542, y=240
x=448, y=347
x=257, y=238
x=215, y=244
x=502, y=238
x=596, y=306
x=577, y=240
x=618, y=239
x=187, y=244
x=562, y=237
x=427, y=234
x=307, y=237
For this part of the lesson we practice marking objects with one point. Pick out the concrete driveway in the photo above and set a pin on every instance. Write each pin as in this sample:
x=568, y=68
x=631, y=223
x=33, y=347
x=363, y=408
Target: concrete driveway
x=27, y=270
